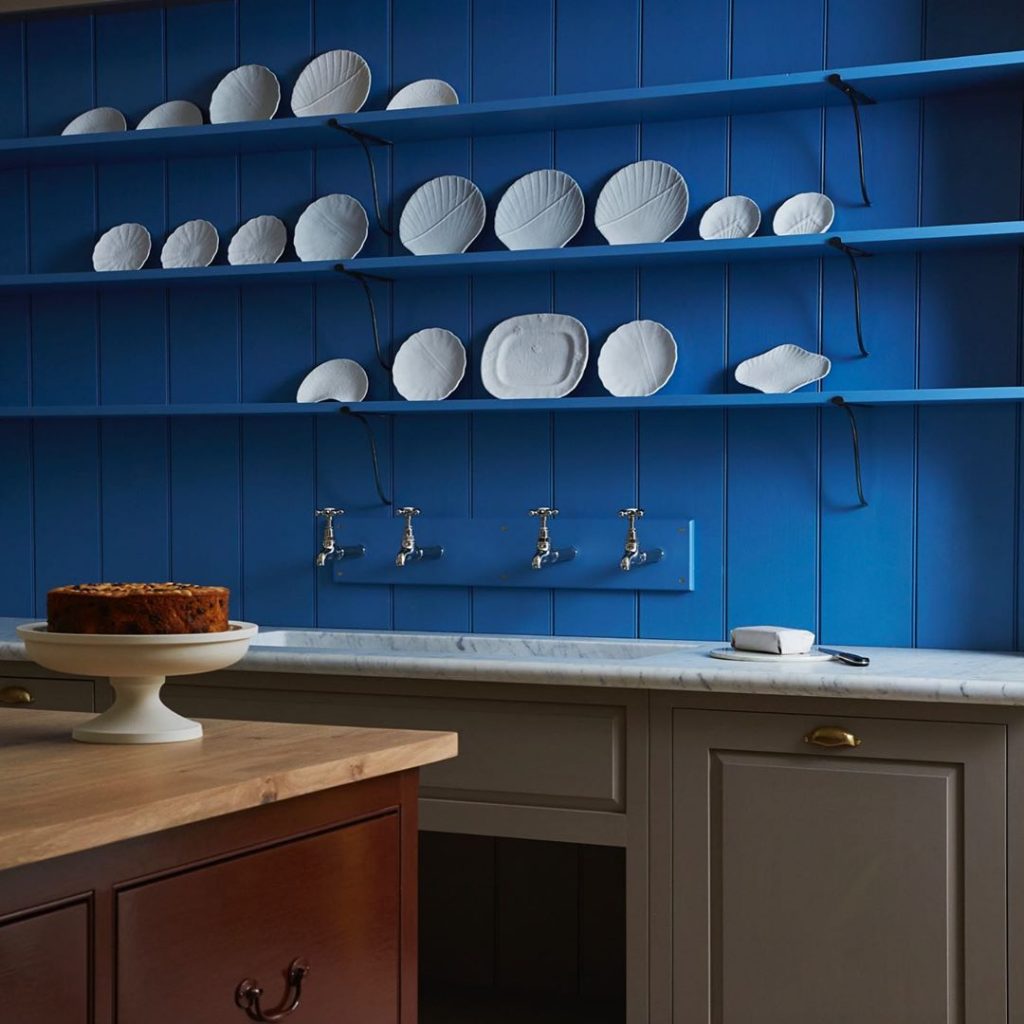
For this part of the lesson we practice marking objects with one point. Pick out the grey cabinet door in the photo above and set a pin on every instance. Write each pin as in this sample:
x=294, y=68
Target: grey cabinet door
x=847, y=884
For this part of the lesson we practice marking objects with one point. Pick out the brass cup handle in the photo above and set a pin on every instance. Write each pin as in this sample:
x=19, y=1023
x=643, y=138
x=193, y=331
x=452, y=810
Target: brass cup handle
x=831, y=736
x=249, y=993
x=16, y=695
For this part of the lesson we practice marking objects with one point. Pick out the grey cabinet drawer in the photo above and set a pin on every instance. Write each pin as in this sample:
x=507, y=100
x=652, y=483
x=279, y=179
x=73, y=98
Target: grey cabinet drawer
x=46, y=694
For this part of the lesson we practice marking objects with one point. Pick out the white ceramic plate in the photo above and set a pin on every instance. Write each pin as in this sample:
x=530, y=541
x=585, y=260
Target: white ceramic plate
x=427, y=92
x=172, y=114
x=260, y=240
x=643, y=202
x=192, y=244
x=249, y=93
x=336, y=82
x=731, y=217
x=331, y=228
x=541, y=210
x=99, y=119
x=125, y=247
x=444, y=215
x=782, y=369
x=337, y=380
x=637, y=359
x=429, y=366
x=807, y=213
x=538, y=355
x=731, y=654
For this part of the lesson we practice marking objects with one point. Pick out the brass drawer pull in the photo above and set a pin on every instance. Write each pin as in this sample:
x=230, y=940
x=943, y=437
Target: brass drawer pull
x=16, y=695
x=831, y=736
x=249, y=993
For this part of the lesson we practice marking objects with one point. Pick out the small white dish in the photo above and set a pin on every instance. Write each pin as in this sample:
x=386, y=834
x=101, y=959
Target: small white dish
x=540, y=210
x=172, y=114
x=638, y=359
x=336, y=82
x=99, y=119
x=782, y=370
x=249, y=93
x=337, y=380
x=731, y=217
x=443, y=216
x=125, y=247
x=331, y=228
x=643, y=202
x=731, y=654
x=429, y=366
x=807, y=213
x=260, y=240
x=537, y=355
x=427, y=92
x=192, y=244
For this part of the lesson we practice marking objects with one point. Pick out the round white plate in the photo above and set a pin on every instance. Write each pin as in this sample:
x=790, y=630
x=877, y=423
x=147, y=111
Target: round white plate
x=331, y=228
x=443, y=216
x=336, y=82
x=125, y=247
x=541, y=210
x=172, y=114
x=643, y=202
x=192, y=244
x=429, y=366
x=249, y=93
x=782, y=370
x=538, y=355
x=337, y=380
x=427, y=92
x=637, y=359
x=99, y=119
x=807, y=213
x=260, y=240
x=731, y=217
x=731, y=654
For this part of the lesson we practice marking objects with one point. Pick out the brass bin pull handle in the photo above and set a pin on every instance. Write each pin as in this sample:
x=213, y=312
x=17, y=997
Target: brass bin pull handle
x=831, y=736
x=249, y=993
x=16, y=695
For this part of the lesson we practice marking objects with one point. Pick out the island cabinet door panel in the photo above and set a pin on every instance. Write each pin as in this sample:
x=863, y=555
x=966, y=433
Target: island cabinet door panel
x=186, y=943
x=841, y=883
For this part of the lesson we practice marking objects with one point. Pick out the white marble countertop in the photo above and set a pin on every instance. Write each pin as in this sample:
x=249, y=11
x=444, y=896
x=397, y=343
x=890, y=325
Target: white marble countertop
x=894, y=674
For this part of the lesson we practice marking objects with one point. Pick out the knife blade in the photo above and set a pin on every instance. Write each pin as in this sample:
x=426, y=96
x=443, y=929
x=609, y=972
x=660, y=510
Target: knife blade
x=846, y=657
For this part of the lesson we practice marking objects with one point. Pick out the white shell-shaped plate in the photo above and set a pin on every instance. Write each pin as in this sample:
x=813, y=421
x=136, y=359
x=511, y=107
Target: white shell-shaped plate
x=172, y=114
x=125, y=247
x=541, y=210
x=331, y=228
x=249, y=93
x=731, y=217
x=731, y=654
x=637, y=359
x=445, y=215
x=192, y=244
x=99, y=119
x=643, y=202
x=807, y=213
x=782, y=369
x=336, y=82
x=427, y=92
x=260, y=240
x=337, y=380
x=538, y=355
x=429, y=366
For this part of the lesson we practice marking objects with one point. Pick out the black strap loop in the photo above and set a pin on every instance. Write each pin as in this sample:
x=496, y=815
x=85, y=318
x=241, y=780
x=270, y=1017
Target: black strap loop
x=852, y=253
x=365, y=140
x=372, y=442
x=841, y=403
x=856, y=98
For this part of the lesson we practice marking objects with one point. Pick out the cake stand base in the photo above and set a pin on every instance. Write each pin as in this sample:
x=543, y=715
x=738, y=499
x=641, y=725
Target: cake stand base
x=138, y=715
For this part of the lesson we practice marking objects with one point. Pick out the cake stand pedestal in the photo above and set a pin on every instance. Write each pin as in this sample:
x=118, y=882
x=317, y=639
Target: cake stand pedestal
x=137, y=667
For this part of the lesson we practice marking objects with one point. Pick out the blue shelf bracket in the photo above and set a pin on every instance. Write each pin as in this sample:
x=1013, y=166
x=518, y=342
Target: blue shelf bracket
x=852, y=253
x=364, y=280
x=365, y=140
x=856, y=98
x=371, y=442
x=841, y=403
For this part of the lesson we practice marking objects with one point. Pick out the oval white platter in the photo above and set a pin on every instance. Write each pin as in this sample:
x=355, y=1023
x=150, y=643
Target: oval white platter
x=260, y=240
x=540, y=210
x=807, y=213
x=537, y=355
x=125, y=247
x=192, y=244
x=337, y=380
x=172, y=114
x=427, y=92
x=99, y=119
x=782, y=370
x=444, y=215
x=249, y=93
x=336, y=82
x=638, y=359
x=731, y=654
x=643, y=202
x=331, y=228
x=429, y=366
x=731, y=217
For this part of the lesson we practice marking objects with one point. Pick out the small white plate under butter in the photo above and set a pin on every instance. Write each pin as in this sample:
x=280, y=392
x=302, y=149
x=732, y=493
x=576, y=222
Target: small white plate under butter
x=137, y=667
x=731, y=654
x=538, y=355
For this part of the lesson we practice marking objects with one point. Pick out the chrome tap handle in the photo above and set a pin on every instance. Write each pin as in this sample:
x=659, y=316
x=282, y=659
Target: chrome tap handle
x=632, y=555
x=329, y=514
x=632, y=514
x=407, y=512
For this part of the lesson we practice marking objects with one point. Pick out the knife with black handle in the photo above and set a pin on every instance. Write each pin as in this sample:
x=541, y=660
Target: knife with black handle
x=846, y=657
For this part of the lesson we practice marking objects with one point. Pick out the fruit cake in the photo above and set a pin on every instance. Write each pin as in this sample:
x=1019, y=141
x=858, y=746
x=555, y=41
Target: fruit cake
x=137, y=608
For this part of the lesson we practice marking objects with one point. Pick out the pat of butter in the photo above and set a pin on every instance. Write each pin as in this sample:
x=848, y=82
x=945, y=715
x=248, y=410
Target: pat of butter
x=772, y=639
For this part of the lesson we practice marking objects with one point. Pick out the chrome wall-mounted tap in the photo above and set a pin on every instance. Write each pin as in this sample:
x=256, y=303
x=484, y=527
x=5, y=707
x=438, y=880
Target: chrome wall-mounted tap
x=633, y=556
x=409, y=552
x=328, y=549
x=544, y=554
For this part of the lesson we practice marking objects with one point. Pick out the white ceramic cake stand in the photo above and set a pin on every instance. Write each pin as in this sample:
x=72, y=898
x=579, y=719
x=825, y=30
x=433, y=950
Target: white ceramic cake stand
x=137, y=667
